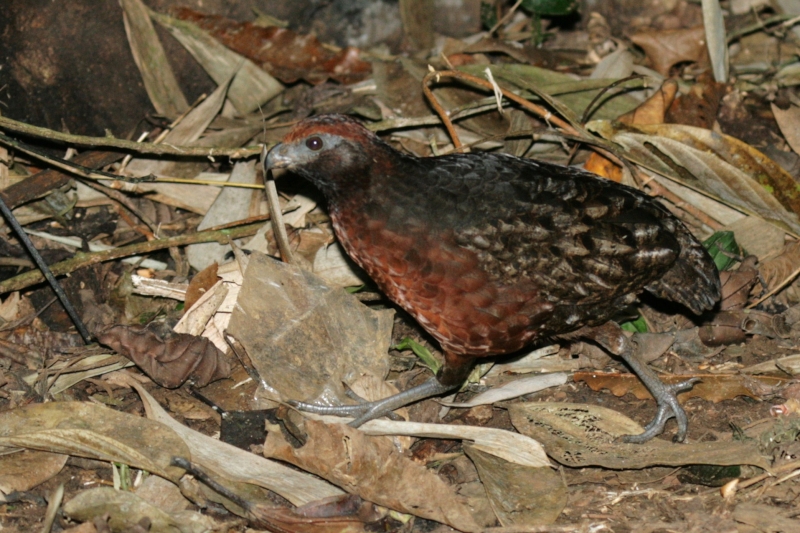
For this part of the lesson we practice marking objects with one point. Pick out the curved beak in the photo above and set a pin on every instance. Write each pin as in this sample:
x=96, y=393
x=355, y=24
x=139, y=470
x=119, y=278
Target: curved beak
x=278, y=157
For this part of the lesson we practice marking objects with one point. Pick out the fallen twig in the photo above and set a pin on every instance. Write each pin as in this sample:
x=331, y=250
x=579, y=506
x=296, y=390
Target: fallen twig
x=80, y=260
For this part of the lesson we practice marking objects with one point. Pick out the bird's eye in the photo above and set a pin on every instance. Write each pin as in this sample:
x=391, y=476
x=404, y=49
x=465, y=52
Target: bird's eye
x=314, y=143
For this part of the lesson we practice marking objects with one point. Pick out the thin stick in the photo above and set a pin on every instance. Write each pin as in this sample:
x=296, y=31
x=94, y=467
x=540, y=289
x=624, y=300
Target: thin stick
x=133, y=146
x=790, y=278
x=85, y=259
x=276, y=217
x=530, y=106
x=45, y=271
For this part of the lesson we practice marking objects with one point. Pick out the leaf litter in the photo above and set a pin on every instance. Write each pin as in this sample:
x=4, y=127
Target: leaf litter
x=258, y=331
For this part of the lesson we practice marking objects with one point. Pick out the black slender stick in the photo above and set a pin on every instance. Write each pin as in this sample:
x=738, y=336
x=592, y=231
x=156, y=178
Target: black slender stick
x=51, y=279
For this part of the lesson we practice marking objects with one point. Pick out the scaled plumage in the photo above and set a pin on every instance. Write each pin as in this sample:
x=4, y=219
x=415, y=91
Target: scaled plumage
x=491, y=252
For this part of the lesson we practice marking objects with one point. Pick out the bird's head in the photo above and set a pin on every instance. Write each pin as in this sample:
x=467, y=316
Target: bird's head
x=328, y=150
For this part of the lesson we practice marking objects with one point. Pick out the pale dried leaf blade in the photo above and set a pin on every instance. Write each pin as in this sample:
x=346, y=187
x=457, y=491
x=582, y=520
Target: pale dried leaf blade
x=716, y=41
x=238, y=465
x=251, y=85
x=89, y=430
x=714, y=163
x=159, y=80
x=230, y=205
x=579, y=435
x=371, y=468
x=513, y=389
x=507, y=445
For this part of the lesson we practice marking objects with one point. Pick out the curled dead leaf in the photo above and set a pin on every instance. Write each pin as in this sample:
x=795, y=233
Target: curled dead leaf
x=168, y=358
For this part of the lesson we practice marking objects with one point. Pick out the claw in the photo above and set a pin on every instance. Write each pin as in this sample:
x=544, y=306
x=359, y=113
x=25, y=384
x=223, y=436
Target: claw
x=668, y=407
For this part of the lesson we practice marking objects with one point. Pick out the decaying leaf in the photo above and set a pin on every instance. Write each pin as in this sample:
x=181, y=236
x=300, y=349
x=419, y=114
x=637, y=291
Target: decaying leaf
x=579, y=435
x=507, y=445
x=719, y=164
x=520, y=496
x=667, y=48
x=711, y=387
x=339, y=514
x=168, y=358
x=283, y=53
x=699, y=106
x=159, y=79
x=652, y=110
x=371, y=468
x=778, y=270
x=310, y=335
x=126, y=510
x=239, y=466
x=200, y=283
x=23, y=471
x=93, y=431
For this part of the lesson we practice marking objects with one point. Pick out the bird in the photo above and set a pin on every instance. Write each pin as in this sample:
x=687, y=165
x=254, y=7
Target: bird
x=490, y=253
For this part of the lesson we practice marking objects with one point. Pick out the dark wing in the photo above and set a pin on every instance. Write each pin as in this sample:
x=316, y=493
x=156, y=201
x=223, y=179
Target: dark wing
x=579, y=239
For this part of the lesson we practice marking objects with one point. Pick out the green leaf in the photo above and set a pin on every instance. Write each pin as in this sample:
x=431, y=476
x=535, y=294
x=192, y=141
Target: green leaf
x=550, y=7
x=420, y=351
x=354, y=289
x=635, y=326
x=723, y=249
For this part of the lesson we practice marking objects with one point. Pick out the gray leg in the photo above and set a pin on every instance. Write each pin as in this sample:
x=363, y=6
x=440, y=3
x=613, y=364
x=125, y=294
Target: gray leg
x=610, y=337
x=364, y=412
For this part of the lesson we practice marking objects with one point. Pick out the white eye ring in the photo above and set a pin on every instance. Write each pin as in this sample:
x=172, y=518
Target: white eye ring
x=314, y=143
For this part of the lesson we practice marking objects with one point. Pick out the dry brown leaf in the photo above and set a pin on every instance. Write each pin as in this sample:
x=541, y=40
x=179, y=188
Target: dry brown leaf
x=371, y=468
x=23, y=471
x=283, y=53
x=776, y=271
x=652, y=110
x=720, y=164
x=339, y=514
x=200, y=283
x=722, y=330
x=520, y=496
x=168, y=358
x=580, y=435
x=602, y=166
x=789, y=122
x=667, y=48
x=93, y=431
x=699, y=107
x=712, y=387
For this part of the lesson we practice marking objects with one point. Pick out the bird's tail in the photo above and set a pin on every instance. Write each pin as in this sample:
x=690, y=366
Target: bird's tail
x=693, y=279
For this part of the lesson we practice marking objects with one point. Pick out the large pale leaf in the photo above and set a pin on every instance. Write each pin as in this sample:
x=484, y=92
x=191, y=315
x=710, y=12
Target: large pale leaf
x=719, y=164
x=94, y=431
x=159, y=80
x=251, y=85
x=236, y=465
